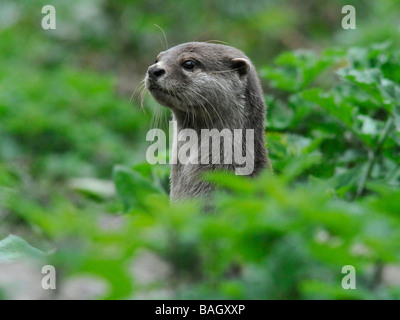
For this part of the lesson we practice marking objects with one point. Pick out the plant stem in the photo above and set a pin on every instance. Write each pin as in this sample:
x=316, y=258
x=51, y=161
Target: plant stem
x=372, y=154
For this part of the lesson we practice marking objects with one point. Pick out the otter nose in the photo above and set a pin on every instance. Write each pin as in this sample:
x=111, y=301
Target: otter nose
x=155, y=72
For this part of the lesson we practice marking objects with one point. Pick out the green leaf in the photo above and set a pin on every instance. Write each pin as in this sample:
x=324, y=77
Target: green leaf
x=331, y=103
x=316, y=289
x=133, y=187
x=384, y=91
x=14, y=248
x=296, y=70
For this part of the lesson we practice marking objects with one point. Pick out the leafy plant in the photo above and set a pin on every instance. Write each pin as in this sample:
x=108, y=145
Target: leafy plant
x=332, y=133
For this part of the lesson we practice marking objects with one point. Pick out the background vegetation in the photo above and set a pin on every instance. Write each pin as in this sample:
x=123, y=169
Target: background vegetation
x=69, y=134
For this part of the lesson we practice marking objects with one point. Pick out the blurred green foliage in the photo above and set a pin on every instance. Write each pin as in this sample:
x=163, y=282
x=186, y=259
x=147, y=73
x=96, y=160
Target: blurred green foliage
x=332, y=132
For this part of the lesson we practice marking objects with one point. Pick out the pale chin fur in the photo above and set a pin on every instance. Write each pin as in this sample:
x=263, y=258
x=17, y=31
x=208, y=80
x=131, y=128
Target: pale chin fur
x=165, y=97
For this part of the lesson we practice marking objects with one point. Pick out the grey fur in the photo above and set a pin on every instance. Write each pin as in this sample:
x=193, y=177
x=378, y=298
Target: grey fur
x=223, y=91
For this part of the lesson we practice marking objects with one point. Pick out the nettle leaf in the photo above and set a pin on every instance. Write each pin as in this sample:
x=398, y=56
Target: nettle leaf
x=344, y=179
x=276, y=145
x=279, y=115
x=296, y=70
x=368, y=126
x=301, y=108
x=287, y=80
x=373, y=57
x=133, y=187
x=390, y=90
x=14, y=248
x=397, y=118
x=230, y=181
x=93, y=188
x=295, y=167
x=330, y=102
x=317, y=290
x=371, y=81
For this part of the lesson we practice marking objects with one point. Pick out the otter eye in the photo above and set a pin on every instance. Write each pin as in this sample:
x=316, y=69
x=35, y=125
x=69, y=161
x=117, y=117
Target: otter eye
x=188, y=64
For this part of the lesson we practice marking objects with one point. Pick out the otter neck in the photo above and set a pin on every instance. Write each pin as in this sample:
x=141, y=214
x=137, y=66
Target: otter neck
x=199, y=118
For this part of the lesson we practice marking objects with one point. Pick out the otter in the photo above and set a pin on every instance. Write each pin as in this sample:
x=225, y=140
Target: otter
x=208, y=86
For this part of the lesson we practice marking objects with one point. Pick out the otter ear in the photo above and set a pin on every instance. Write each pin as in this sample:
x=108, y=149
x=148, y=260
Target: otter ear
x=242, y=65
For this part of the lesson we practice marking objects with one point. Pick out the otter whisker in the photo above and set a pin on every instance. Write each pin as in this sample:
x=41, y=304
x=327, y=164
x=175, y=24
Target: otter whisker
x=211, y=105
x=188, y=113
x=206, y=113
x=202, y=108
x=165, y=37
x=156, y=117
x=216, y=41
x=224, y=71
x=142, y=97
x=137, y=89
x=191, y=111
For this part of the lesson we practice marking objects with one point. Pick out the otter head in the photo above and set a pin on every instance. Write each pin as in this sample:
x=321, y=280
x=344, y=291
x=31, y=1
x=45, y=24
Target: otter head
x=207, y=79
